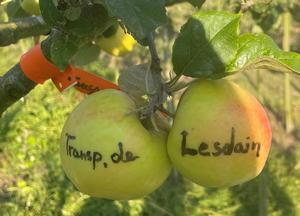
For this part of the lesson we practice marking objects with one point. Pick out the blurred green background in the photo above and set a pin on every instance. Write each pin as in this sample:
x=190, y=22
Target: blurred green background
x=32, y=181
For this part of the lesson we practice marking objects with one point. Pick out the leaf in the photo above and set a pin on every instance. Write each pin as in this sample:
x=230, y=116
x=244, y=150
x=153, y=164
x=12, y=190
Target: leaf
x=86, y=54
x=208, y=46
x=290, y=59
x=93, y=21
x=14, y=10
x=261, y=52
x=86, y=21
x=51, y=14
x=72, y=13
x=206, y=43
x=133, y=80
x=195, y=3
x=62, y=48
x=141, y=17
x=252, y=46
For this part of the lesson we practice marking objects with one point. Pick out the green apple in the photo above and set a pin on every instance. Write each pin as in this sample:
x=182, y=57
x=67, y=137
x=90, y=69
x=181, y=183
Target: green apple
x=221, y=134
x=106, y=152
x=31, y=7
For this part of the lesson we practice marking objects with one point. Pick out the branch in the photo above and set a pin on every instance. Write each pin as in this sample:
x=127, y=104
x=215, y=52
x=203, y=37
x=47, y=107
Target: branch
x=11, y=32
x=13, y=86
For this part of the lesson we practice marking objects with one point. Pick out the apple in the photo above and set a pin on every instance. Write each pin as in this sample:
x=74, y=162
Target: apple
x=118, y=44
x=221, y=134
x=106, y=152
x=31, y=7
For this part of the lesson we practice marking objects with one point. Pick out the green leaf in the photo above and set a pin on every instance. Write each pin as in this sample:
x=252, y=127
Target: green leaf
x=252, y=46
x=93, y=21
x=14, y=10
x=195, y=3
x=86, y=54
x=51, y=14
x=206, y=44
x=290, y=59
x=62, y=48
x=141, y=17
x=73, y=13
x=84, y=21
x=261, y=52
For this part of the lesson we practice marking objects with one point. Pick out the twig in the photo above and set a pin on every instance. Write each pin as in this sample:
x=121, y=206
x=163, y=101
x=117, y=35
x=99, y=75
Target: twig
x=157, y=98
x=155, y=64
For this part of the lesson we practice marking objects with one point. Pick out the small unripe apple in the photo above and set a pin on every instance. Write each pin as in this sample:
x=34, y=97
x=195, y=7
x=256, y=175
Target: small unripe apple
x=31, y=7
x=117, y=44
x=106, y=152
x=221, y=134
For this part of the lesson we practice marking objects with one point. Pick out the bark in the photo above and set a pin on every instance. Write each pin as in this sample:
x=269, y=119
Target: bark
x=13, y=86
x=11, y=32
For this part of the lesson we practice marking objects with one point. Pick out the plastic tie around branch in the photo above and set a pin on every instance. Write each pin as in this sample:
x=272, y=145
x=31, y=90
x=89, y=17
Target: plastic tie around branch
x=38, y=69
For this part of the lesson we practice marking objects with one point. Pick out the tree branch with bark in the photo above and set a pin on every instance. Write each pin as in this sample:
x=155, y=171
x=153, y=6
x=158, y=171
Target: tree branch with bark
x=12, y=32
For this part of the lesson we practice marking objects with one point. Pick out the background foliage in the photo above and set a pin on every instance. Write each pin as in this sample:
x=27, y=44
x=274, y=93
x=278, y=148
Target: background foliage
x=31, y=178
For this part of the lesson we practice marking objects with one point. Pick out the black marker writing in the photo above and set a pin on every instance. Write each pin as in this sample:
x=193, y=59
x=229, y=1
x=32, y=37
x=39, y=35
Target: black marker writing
x=225, y=149
x=96, y=157
x=184, y=149
x=90, y=88
x=118, y=157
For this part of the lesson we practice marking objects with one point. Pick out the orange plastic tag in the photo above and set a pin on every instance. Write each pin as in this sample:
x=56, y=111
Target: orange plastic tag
x=83, y=81
x=36, y=67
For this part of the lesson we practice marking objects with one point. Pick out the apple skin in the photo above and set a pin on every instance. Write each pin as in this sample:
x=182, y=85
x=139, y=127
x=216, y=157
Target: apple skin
x=119, y=44
x=31, y=7
x=102, y=121
x=212, y=111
